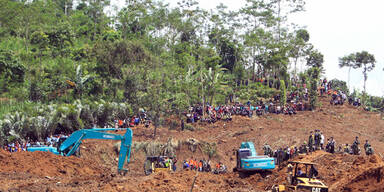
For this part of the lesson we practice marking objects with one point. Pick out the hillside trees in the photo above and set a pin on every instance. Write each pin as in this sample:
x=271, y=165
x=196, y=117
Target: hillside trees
x=314, y=74
x=363, y=60
x=147, y=55
x=315, y=59
x=299, y=46
x=11, y=71
x=283, y=93
x=348, y=61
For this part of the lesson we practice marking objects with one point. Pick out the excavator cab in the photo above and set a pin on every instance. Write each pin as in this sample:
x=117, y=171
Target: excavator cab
x=303, y=179
x=157, y=164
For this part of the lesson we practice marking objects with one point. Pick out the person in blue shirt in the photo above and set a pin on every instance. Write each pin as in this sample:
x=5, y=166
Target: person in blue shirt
x=185, y=165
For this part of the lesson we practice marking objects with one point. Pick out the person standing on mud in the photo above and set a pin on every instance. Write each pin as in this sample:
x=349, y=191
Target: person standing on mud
x=317, y=139
x=356, y=142
x=368, y=149
x=182, y=125
x=332, y=145
x=267, y=150
x=355, y=146
x=346, y=148
x=310, y=141
x=289, y=173
x=280, y=156
x=321, y=140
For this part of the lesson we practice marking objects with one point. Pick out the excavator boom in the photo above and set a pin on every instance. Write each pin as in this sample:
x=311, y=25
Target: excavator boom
x=73, y=142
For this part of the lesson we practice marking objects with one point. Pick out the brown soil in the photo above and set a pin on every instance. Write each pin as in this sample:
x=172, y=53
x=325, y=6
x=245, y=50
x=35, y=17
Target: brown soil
x=95, y=170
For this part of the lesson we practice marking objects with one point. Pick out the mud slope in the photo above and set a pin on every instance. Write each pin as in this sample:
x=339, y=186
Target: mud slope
x=96, y=170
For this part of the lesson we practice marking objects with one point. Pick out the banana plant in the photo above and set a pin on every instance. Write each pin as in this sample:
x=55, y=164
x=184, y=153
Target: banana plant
x=80, y=81
x=213, y=79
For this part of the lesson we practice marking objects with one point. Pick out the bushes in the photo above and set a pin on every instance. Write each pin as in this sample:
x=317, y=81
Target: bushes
x=41, y=120
x=339, y=85
x=255, y=91
x=189, y=127
x=210, y=149
x=174, y=125
x=154, y=148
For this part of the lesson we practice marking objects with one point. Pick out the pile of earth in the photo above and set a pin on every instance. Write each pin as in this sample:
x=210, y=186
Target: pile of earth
x=340, y=172
x=38, y=171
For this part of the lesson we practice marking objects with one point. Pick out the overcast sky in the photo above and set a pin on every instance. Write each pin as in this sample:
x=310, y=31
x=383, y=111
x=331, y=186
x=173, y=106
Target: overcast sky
x=338, y=28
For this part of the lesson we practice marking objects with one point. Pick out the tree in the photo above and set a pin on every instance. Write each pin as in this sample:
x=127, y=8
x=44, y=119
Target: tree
x=361, y=59
x=283, y=93
x=315, y=59
x=11, y=70
x=40, y=39
x=95, y=10
x=80, y=81
x=339, y=85
x=348, y=61
x=314, y=74
x=366, y=61
x=299, y=43
x=213, y=78
x=156, y=99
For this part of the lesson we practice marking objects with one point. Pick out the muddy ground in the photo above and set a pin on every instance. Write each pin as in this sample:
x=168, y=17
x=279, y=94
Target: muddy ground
x=96, y=169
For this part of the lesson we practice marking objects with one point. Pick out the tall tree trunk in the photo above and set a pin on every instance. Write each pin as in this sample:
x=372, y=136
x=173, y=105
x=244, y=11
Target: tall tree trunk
x=211, y=100
x=154, y=131
x=278, y=16
x=253, y=70
x=365, y=81
x=66, y=8
x=253, y=64
x=349, y=77
x=296, y=66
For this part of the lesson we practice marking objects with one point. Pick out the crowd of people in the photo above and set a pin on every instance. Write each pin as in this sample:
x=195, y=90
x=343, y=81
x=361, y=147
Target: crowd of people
x=19, y=146
x=204, y=166
x=354, y=149
x=16, y=146
x=338, y=97
x=316, y=142
x=225, y=112
x=140, y=118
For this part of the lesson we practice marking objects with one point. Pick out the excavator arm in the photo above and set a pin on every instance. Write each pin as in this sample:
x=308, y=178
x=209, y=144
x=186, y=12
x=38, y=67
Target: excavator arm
x=72, y=143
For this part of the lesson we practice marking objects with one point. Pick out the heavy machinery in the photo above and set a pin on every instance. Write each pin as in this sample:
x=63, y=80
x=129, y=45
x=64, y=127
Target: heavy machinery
x=155, y=164
x=70, y=146
x=248, y=160
x=302, y=179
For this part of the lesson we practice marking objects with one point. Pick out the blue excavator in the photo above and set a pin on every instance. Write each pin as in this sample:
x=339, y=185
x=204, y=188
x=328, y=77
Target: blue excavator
x=247, y=159
x=70, y=145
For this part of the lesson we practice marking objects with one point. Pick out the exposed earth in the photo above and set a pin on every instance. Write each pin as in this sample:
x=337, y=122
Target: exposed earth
x=96, y=169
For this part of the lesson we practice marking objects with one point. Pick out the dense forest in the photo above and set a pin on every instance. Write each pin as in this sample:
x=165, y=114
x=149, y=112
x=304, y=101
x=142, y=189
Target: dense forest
x=67, y=64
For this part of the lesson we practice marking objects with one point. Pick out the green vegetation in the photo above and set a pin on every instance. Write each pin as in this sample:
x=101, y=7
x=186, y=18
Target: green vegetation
x=356, y=60
x=66, y=65
x=283, y=93
x=313, y=94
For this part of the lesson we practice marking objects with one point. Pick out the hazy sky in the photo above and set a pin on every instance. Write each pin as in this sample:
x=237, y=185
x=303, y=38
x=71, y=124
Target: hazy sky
x=338, y=28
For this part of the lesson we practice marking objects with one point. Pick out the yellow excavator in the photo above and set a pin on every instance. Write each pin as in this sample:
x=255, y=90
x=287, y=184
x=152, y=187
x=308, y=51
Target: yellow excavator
x=303, y=179
x=155, y=164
